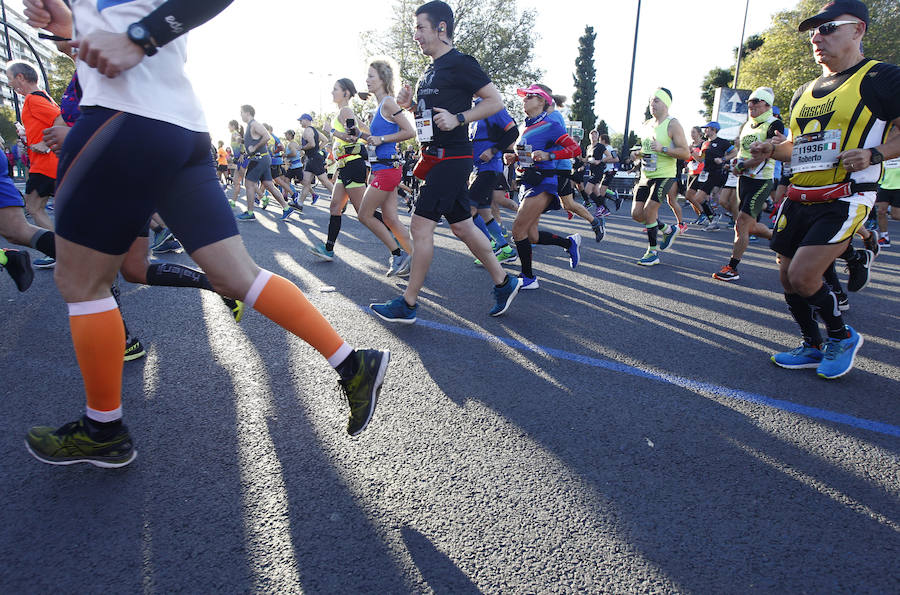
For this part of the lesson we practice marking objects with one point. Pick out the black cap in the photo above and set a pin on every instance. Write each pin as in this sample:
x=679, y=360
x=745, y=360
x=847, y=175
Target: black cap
x=833, y=10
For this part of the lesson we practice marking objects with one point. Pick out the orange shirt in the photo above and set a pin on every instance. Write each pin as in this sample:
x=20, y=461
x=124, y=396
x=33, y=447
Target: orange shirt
x=223, y=156
x=38, y=113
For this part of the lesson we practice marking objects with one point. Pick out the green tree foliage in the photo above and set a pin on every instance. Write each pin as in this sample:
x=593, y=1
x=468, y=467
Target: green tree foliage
x=717, y=77
x=7, y=125
x=495, y=32
x=585, y=78
x=602, y=127
x=785, y=61
x=63, y=69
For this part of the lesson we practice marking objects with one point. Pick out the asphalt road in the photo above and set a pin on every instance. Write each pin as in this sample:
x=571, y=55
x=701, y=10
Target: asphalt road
x=621, y=429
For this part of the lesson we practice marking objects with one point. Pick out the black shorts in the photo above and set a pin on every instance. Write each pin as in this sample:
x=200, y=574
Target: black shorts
x=753, y=193
x=607, y=178
x=655, y=189
x=315, y=164
x=564, y=185
x=502, y=182
x=177, y=178
x=44, y=185
x=595, y=176
x=445, y=192
x=295, y=173
x=815, y=224
x=892, y=197
x=276, y=170
x=353, y=173
x=481, y=192
x=222, y=168
x=259, y=170
x=710, y=182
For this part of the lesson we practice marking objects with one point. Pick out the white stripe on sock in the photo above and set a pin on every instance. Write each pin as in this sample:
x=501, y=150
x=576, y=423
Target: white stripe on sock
x=92, y=307
x=340, y=355
x=261, y=279
x=104, y=416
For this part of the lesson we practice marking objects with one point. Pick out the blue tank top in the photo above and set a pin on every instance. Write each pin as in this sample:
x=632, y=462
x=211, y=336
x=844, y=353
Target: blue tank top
x=562, y=164
x=381, y=127
x=297, y=159
x=542, y=133
x=277, y=157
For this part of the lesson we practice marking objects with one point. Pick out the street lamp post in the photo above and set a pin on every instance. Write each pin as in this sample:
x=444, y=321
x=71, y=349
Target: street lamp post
x=737, y=68
x=9, y=55
x=637, y=23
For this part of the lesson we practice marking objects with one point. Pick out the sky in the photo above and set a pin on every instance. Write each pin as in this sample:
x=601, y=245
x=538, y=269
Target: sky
x=283, y=56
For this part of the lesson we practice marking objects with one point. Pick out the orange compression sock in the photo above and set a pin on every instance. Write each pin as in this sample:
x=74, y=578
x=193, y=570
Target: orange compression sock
x=98, y=335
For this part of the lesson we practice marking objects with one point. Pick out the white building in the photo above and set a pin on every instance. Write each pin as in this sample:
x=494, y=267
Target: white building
x=46, y=50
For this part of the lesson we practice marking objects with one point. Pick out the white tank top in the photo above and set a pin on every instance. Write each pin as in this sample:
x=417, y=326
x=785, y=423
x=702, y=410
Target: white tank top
x=157, y=87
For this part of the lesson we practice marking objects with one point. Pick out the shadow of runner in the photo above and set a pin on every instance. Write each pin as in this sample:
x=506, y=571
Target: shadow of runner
x=438, y=570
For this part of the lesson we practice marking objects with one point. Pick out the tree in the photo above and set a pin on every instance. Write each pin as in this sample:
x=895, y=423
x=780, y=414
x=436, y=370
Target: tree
x=602, y=127
x=8, y=125
x=60, y=75
x=493, y=31
x=585, y=79
x=715, y=78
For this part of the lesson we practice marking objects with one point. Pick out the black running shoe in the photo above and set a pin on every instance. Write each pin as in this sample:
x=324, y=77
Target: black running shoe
x=72, y=444
x=363, y=389
x=859, y=270
x=134, y=350
x=18, y=266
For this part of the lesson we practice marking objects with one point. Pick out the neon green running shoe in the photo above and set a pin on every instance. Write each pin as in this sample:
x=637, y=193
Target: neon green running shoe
x=236, y=307
x=363, y=389
x=134, y=350
x=71, y=444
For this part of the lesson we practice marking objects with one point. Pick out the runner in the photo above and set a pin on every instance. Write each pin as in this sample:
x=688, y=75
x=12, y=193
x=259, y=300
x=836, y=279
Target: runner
x=836, y=145
x=315, y=168
x=222, y=163
x=276, y=149
x=663, y=142
x=443, y=107
x=240, y=158
x=716, y=154
x=259, y=170
x=91, y=248
x=888, y=196
x=351, y=174
x=543, y=142
x=39, y=112
x=294, y=157
x=389, y=126
x=756, y=178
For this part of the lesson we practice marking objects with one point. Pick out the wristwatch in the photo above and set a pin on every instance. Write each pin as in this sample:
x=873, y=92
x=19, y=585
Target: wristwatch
x=139, y=34
x=461, y=118
x=876, y=156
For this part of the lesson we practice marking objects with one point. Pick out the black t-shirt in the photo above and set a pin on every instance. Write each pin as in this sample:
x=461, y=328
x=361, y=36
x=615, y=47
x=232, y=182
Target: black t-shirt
x=449, y=83
x=716, y=148
x=879, y=89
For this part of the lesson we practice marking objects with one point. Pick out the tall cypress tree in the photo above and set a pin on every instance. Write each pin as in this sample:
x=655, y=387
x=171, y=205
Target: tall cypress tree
x=585, y=83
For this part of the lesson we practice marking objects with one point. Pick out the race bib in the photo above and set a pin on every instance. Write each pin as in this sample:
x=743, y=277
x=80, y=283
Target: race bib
x=816, y=151
x=649, y=162
x=370, y=150
x=424, y=127
x=892, y=163
x=524, y=153
x=703, y=176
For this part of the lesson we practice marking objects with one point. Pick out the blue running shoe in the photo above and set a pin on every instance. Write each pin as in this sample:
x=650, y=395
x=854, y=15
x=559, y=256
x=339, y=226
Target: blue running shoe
x=246, y=216
x=649, y=259
x=668, y=238
x=529, y=282
x=839, y=355
x=503, y=296
x=315, y=197
x=320, y=251
x=170, y=245
x=396, y=310
x=574, y=250
x=286, y=214
x=44, y=263
x=804, y=356
x=159, y=237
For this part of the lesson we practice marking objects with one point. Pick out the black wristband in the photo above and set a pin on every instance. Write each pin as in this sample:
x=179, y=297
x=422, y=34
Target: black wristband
x=176, y=17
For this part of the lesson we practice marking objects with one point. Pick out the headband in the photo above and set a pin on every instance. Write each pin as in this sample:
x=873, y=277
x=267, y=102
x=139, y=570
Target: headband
x=664, y=97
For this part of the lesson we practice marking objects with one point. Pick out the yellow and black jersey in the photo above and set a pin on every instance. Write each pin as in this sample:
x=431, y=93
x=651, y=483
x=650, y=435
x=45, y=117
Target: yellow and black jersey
x=843, y=111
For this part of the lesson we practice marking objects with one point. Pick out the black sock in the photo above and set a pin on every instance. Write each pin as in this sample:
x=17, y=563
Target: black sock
x=803, y=315
x=396, y=252
x=587, y=198
x=832, y=280
x=169, y=274
x=102, y=431
x=347, y=368
x=45, y=241
x=546, y=238
x=523, y=247
x=651, y=236
x=504, y=284
x=707, y=210
x=115, y=293
x=734, y=262
x=334, y=228
x=849, y=255
x=824, y=303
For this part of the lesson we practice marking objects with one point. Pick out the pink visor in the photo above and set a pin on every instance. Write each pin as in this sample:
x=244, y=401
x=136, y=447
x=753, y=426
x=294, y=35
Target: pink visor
x=535, y=90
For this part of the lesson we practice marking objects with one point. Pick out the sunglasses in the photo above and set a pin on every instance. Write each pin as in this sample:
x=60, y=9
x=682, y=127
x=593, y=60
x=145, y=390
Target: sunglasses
x=830, y=27
x=533, y=96
x=754, y=100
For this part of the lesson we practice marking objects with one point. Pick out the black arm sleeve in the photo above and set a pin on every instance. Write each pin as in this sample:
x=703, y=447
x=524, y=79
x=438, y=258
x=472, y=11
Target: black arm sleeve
x=507, y=138
x=176, y=17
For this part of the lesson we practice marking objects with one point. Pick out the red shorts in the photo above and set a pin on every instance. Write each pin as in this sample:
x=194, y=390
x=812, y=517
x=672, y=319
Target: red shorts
x=387, y=179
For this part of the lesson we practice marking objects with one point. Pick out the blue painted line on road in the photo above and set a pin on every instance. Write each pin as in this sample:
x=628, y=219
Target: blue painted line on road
x=722, y=391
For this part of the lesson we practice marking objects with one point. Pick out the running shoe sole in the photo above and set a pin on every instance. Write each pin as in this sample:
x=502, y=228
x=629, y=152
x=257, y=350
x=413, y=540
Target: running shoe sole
x=95, y=463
